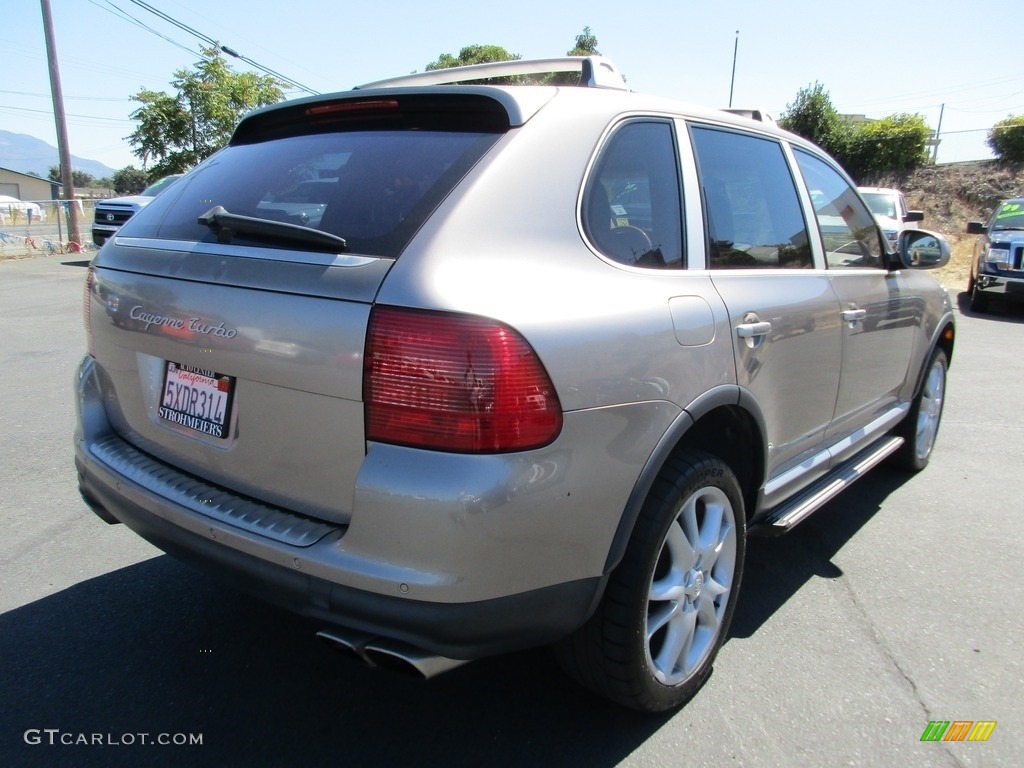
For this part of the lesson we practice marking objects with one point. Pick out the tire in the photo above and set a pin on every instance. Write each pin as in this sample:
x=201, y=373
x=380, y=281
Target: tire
x=921, y=426
x=651, y=643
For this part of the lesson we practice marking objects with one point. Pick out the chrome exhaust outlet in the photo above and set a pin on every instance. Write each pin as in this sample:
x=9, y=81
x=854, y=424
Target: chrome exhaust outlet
x=393, y=654
x=388, y=654
x=350, y=644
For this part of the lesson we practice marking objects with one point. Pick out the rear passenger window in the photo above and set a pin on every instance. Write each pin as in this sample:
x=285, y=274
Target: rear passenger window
x=848, y=230
x=754, y=218
x=631, y=206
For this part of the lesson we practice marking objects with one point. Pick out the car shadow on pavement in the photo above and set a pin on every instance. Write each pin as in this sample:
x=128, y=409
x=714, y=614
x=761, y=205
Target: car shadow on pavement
x=776, y=568
x=157, y=648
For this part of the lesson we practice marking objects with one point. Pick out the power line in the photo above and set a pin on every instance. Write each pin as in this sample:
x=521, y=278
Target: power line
x=943, y=92
x=217, y=46
x=267, y=70
x=124, y=16
x=180, y=25
x=69, y=114
x=79, y=98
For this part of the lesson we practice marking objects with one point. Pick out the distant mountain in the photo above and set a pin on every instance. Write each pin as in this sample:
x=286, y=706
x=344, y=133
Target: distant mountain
x=27, y=154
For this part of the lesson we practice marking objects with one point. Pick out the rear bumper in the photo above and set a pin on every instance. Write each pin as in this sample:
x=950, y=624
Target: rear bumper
x=319, y=569
x=455, y=630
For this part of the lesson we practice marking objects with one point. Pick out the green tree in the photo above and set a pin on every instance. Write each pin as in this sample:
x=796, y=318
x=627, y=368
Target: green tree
x=78, y=178
x=473, y=54
x=129, y=180
x=812, y=116
x=1006, y=138
x=894, y=143
x=177, y=131
x=586, y=45
x=478, y=54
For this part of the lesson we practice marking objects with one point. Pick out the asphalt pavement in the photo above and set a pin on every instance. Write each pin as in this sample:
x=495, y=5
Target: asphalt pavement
x=896, y=605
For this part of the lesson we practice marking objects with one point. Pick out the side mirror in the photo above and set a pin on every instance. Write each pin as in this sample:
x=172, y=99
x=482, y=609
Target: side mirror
x=918, y=249
x=914, y=216
x=975, y=228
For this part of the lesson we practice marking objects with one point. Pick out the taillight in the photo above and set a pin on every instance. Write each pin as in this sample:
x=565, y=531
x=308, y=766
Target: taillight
x=87, y=309
x=455, y=383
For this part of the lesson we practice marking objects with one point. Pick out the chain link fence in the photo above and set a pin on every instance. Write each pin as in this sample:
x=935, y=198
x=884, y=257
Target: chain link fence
x=30, y=227
x=962, y=146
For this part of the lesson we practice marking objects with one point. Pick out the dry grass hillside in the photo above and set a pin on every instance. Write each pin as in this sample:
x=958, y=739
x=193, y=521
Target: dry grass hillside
x=950, y=196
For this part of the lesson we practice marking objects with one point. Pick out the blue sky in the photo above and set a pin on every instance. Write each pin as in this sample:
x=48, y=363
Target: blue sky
x=874, y=58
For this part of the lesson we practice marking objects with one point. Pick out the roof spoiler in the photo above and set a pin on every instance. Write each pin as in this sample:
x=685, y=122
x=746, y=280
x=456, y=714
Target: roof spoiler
x=594, y=71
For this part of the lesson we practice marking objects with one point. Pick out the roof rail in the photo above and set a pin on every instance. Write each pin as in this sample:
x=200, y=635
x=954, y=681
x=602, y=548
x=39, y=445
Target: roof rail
x=760, y=115
x=595, y=72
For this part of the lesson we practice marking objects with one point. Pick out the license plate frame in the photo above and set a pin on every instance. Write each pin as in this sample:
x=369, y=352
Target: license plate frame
x=198, y=399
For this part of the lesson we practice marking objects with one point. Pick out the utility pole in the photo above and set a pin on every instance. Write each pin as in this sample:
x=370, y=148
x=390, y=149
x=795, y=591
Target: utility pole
x=62, y=131
x=732, y=80
x=938, y=134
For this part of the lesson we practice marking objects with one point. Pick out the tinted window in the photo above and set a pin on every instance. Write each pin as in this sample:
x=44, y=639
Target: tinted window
x=753, y=212
x=372, y=187
x=631, y=208
x=848, y=230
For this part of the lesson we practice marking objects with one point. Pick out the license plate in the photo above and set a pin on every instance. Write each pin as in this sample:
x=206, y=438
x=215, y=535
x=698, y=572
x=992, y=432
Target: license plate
x=197, y=399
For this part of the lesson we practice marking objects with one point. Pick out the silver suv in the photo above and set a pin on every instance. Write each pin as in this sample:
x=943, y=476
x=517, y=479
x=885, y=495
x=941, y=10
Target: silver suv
x=536, y=365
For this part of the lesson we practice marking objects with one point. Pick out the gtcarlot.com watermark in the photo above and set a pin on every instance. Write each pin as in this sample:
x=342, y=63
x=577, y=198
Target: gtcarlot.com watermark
x=56, y=737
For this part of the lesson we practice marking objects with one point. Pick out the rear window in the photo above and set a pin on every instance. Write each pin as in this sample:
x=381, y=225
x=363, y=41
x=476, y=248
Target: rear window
x=370, y=181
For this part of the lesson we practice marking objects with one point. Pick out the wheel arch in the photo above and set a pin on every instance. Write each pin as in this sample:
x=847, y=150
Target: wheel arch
x=946, y=337
x=943, y=338
x=725, y=422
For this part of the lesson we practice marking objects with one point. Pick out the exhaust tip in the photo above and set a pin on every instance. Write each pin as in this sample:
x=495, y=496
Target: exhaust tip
x=390, y=660
x=349, y=645
x=393, y=655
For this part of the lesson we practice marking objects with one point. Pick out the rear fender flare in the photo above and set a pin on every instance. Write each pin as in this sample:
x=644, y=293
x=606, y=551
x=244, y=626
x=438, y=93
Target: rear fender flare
x=725, y=395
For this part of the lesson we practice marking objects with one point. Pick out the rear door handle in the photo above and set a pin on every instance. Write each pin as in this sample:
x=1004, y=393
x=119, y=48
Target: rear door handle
x=852, y=316
x=751, y=330
x=753, y=333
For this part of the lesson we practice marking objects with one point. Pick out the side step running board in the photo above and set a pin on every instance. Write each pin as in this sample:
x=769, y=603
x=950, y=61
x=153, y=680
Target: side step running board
x=784, y=517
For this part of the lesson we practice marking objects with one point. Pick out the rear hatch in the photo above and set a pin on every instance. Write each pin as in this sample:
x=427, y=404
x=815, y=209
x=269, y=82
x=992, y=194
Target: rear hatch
x=228, y=318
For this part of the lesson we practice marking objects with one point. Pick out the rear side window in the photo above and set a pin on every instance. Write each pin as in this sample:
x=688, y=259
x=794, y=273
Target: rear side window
x=372, y=182
x=750, y=200
x=631, y=206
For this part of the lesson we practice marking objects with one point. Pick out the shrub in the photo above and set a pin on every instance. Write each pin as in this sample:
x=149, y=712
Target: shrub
x=1006, y=138
x=812, y=116
x=894, y=143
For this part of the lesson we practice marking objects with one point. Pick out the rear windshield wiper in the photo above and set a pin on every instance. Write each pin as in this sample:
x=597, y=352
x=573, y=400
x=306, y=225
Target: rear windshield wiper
x=226, y=225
